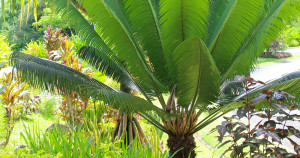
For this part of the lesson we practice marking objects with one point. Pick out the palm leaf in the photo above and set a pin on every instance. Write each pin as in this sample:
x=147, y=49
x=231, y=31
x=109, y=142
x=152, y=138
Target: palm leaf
x=267, y=30
x=112, y=67
x=261, y=23
x=220, y=11
x=119, y=36
x=179, y=20
x=126, y=102
x=109, y=65
x=239, y=26
x=49, y=75
x=143, y=19
x=83, y=28
x=98, y=50
x=197, y=73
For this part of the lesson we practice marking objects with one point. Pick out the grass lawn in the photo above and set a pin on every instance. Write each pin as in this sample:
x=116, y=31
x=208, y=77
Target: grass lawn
x=32, y=120
x=268, y=61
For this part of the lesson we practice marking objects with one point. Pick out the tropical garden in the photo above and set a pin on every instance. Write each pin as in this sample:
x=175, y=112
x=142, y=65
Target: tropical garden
x=146, y=78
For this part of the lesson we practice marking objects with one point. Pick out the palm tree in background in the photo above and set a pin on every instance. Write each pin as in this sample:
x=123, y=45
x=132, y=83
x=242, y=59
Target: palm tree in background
x=185, y=49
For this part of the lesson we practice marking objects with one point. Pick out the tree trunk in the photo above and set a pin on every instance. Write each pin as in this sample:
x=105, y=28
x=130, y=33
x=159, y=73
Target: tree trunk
x=127, y=128
x=185, y=146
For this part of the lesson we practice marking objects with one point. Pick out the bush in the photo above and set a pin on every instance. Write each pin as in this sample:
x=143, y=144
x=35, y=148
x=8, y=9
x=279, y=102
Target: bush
x=36, y=48
x=88, y=142
x=263, y=139
x=48, y=106
x=291, y=36
x=5, y=49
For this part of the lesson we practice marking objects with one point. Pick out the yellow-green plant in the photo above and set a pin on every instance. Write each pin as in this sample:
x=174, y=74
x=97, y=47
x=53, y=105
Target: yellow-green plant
x=11, y=94
x=36, y=48
x=5, y=49
x=60, y=49
x=89, y=141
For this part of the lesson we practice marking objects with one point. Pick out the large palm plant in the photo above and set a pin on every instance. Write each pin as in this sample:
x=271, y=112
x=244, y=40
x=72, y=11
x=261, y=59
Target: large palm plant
x=186, y=49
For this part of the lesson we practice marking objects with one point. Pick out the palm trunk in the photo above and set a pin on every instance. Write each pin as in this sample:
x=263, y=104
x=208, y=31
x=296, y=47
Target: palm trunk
x=183, y=145
x=180, y=141
x=127, y=126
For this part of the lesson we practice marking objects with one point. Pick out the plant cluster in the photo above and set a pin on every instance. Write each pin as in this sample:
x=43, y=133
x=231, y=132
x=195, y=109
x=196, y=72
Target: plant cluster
x=5, y=49
x=59, y=48
x=151, y=46
x=36, y=49
x=16, y=101
x=291, y=35
x=89, y=141
x=273, y=50
x=264, y=138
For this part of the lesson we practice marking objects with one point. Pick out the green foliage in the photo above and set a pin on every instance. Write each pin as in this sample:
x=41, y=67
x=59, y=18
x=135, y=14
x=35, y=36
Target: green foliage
x=88, y=141
x=19, y=36
x=5, y=49
x=50, y=20
x=291, y=35
x=36, y=49
x=48, y=105
x=78, y=43
x=265, y=137
x=143, y=44
x=24, y=152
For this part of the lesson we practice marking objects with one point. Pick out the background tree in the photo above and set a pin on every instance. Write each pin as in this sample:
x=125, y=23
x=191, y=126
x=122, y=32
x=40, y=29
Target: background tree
x=185, y=49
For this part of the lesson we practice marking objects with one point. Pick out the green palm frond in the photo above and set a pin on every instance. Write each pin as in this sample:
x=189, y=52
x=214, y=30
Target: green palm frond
x=88, y=32
x=238, y=28
x=260, y=24
x=52, y=76
x=126, y=102
x=49, y=75
x=198, y=76
x=119, y=36
x=109, y=65
x=179, y=20
x=220, y=11
x=112, y=67
x=143, y=19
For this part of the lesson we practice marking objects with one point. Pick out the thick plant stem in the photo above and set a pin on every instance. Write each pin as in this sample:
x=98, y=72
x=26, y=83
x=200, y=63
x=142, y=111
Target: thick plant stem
x=183, y=145
x=10, y=126
x=140, y=130
x=71, y=112
x=130, y=134
x=127, y=128
x=124, y=125
x=115, y=132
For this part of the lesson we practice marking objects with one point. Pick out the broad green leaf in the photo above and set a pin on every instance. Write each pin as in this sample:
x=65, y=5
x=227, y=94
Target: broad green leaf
x=220, y=11
x=180, y=20
x=198, y=77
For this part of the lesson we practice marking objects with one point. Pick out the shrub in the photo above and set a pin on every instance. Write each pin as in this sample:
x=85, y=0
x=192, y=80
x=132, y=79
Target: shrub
x=88, y=142
x=48, y=106
x=36, y=49
x=262, y=139
x=291, y=36
x=5, y=49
